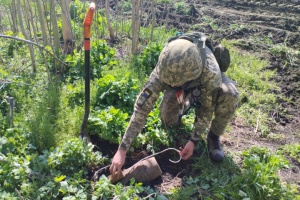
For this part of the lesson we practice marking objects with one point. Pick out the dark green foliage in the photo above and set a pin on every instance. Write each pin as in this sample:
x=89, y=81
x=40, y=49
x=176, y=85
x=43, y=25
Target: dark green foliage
x=255, y=179
x=150, y=56
x=4, y=114
x=146, y=61
x=53, y=174
x=74, y=10
x=103, y=190
x=125, y=6
x=4, y=89
x=13, y=141
x=109, y=124
x=10, y=50
x=13, y=46
x=100, y=55
x=153, y=134
x=71, y=157
x=259, y=178
x=118, y=93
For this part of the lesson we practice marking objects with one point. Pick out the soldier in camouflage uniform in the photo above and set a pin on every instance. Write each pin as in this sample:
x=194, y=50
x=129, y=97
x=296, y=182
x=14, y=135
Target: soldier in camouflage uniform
x=183, y=79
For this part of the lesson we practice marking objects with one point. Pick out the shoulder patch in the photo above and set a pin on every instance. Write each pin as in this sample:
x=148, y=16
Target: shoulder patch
x=144, y=96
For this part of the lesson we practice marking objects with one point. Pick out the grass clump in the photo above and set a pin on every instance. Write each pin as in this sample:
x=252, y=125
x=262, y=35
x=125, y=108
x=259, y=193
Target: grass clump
x=255, y=177
x=256, y=86
x=292, y=150
x=259, y=178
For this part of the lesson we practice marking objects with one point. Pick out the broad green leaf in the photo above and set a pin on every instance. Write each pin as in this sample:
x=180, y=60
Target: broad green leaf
x=59, y=178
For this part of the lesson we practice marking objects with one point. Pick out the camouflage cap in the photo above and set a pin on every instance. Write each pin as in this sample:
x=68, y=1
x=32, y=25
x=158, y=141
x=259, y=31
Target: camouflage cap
x=223, y=57
x=179, y=62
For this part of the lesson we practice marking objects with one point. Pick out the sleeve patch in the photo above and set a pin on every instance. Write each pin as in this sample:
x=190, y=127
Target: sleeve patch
x=144, y=97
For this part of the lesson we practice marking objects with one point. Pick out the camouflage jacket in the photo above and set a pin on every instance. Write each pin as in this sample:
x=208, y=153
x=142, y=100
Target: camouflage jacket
x=208, y=83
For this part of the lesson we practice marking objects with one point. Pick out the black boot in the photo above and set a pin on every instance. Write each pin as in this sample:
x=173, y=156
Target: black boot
x=216, y=153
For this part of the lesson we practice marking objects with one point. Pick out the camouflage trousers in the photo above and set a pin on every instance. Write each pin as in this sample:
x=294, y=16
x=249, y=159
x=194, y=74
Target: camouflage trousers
x=225, y=103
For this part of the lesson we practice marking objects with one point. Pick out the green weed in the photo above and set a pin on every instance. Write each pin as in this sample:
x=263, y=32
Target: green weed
x=256, y=179
x=42, y=117
x=164, y=1
x=180, y=8
x=118, y=93
x=283, y=51
x=70, y=112
x=259, y=176
x=292, y=150
x=101, y=55
x=211, y=22
x=109, y=124
x=103, y=190
x=125, y=6
x=178, y=193
x=145, y=62
x=54, y=173
x=153, y=132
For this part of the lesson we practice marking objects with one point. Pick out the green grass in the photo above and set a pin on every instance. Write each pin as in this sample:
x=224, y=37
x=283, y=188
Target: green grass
x=253, y=177
x=292, y=150
x=256, y=86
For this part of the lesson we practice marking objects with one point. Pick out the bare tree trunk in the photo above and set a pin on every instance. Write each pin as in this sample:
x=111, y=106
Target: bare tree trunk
x=1, y=17
x=14, y=17
x=153, y=18
x=42, y=22
x=30, y=18
x=56, y=43
x=135, y=25
x=8, y=13
x=26, y=35
x=67, y=27
x=26, y=19
x=110, y=29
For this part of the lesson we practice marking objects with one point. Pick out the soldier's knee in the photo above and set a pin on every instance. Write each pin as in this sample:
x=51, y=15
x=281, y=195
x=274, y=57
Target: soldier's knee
x=228, y=97
x=229, y=91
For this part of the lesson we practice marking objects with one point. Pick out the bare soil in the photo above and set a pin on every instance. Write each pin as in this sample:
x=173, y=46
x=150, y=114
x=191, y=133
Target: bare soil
x=255, y=20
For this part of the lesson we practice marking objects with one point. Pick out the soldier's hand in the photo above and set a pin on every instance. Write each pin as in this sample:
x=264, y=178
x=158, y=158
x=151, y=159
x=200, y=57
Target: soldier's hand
x=188, y=150
x=117, y=162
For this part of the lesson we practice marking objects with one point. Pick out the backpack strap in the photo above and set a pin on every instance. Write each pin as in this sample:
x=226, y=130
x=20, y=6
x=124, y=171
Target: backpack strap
x=199, y=39
x=201, y=46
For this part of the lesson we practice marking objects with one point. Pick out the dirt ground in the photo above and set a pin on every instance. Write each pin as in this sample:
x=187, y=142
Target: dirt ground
x=258, y=24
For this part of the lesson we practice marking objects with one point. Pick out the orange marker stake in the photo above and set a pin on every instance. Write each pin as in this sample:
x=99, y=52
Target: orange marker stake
x=87, y=26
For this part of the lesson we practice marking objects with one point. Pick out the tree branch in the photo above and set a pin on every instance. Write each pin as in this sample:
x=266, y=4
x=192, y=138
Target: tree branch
x=35, y=44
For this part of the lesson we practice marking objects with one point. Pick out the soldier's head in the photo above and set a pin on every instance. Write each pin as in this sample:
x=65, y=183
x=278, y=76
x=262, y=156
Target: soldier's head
x=223, y=57
x=179, y=62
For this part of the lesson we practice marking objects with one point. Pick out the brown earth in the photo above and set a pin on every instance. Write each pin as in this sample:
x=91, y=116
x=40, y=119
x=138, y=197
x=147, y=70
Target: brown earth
x=258, y=24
